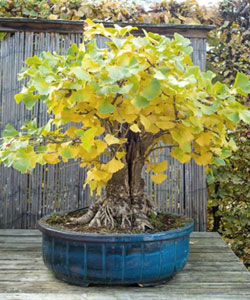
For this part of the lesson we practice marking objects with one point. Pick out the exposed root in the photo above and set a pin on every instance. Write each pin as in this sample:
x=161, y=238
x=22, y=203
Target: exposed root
x=108, y=212
x=142, y=224
x=86, y=218
x=104, y=212
x=142, y=207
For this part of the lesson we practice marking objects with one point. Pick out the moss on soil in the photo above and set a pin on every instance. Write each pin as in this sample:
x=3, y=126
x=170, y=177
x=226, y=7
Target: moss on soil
x=160, y=222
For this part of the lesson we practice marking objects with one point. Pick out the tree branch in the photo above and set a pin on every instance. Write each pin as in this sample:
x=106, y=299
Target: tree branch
x=161, y=147
x=160, y=133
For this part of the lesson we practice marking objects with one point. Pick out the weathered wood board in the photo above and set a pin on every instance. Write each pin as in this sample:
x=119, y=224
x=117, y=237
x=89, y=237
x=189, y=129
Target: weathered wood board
x=213, y=272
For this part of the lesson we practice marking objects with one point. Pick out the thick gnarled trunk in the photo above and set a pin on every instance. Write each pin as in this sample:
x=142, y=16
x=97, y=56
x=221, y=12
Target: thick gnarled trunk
x=124, y=201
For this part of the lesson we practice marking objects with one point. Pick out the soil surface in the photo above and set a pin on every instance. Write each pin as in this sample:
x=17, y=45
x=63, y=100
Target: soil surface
x=160, y=222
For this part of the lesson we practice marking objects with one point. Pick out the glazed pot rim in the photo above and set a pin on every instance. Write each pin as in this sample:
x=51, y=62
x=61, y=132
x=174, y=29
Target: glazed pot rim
x=122, y=237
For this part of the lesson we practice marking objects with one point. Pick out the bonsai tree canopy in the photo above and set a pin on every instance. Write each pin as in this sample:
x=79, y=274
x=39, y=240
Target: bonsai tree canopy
x=137, y=96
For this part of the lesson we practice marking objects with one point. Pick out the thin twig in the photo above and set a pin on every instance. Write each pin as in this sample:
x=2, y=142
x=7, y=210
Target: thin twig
x=175, y=109
x=116, y=97
x=152, y=65
x=162, y=147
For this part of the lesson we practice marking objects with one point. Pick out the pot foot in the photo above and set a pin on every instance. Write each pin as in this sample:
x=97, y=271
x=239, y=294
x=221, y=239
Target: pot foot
x=155, y=283
x=73, y=281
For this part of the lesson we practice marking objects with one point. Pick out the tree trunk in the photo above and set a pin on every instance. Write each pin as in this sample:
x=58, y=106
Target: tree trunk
x=124, y=201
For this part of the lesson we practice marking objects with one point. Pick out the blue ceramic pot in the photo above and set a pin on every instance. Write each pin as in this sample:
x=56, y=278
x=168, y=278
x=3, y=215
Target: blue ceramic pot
x=115, y=259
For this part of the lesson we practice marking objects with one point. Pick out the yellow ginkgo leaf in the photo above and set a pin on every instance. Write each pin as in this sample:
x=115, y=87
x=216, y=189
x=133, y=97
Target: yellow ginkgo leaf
x=51, y=158
x=158, y=178
x=203, y=159
x=216, y=150
x=37, y=159
x=110, y=139
x=71, y=131
x=180, y=155
x=204, y=138
x=153, y=129
x=120, y=154
x=100, y=146
x=182, y=135
x=129, y=117
x=74, y=151
x=52, y=147
x=92, y=186
x=159, y=167
x=145, y=122
x=113, y=166
x=100, y=175
x=135, y=128
x=167, y=139
x=165, y=125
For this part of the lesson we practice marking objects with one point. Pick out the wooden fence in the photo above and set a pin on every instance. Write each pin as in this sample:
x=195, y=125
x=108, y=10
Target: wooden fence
x=25, y=198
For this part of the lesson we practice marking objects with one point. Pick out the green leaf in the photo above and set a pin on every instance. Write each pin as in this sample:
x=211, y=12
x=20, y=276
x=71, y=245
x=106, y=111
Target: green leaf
x=78, y=96
x=19, y=97
x=159, y=75
x=242, y=84
x=35, y=60
x=28, y=98
x=118, y=42
x=177, y=82
x=41, y=149
x=161, y=72
x=87, y=139
x=210, y=179
x=192, y=70
x=117, y=73
x=66, y=153
x=136, y=84
x=79, y=132
x=80, y=74
x=73, y=50
x=245, y=116
x=219, y=161
x=209, y=110
x=186, y=147
x=9, y=131
x=180, y=154
x=22, y=164
x=151, y=90
x=141, y=101
x=232, y=115
x=42, y=86
x=208, y=76
x=123, y=90
x=18, y=145
x=106, y=107
x=49, y=59
x=221, y=90
x=133, y=64
x=181, y=40
x=225, y=153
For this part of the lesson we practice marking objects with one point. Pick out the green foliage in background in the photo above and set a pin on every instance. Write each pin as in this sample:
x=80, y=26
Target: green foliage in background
x=187, y=12
x=229, y=44
x=229, y=196
x=229, y=185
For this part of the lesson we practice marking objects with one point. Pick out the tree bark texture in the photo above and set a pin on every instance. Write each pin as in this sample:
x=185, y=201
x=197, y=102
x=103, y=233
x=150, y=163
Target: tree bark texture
x=124, y=199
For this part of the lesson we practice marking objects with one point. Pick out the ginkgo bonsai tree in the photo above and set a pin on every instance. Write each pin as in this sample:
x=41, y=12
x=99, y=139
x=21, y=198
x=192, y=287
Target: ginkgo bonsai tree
x=139, y=95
